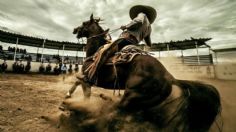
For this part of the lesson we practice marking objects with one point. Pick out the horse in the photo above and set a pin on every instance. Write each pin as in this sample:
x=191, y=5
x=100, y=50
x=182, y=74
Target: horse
x=151, y=92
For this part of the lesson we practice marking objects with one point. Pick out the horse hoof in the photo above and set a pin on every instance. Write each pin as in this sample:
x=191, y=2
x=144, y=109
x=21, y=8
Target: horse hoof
x=62, y=108
x=46, y=118
x=67, y=96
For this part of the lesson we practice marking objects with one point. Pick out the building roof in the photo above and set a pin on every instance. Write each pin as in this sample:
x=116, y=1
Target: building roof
x=9, y=37
x=180, y=45
x=225, y=50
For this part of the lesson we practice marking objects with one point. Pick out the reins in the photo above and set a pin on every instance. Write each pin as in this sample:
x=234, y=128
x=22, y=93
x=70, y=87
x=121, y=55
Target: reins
x=110, y=32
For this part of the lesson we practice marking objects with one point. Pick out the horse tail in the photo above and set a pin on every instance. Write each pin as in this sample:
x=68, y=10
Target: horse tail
x=203, y=104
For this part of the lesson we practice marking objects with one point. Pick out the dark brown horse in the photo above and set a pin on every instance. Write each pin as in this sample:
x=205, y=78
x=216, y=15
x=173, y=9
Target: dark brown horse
x=150, y=90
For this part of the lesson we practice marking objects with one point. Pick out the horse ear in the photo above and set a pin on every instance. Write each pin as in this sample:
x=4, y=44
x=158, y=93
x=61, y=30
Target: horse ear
x=107, y=30
x=91, y=18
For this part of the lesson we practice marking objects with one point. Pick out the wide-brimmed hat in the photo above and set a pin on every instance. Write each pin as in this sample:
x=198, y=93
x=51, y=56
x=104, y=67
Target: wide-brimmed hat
x=149, y=11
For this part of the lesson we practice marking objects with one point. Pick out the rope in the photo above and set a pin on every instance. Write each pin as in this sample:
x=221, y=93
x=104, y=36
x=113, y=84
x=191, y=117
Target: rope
x=116, y=83
x=114, y=30
x=110, y=32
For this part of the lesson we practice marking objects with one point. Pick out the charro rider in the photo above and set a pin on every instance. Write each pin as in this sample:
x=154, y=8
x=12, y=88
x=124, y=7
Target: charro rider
x=137, y=30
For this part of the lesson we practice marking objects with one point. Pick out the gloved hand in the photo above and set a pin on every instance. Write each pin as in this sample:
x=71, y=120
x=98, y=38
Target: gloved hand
x=123, y=27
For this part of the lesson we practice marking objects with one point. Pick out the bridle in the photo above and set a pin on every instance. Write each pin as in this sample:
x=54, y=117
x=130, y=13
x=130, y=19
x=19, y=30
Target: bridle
x=101, y=34
x=105, y=33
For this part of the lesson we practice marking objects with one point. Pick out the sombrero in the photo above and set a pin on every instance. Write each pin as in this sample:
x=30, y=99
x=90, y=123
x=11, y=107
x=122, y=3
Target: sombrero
x=149, y=11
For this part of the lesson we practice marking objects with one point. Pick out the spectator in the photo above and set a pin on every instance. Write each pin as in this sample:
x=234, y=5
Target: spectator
x=4, y=66
x=41, y=68
x=60, y=65
x=28, y=66
x=21, y=67
x=56, y=69
x=64, y=69
x=70, y=68
x=76, y=67
x=15, y=66
x=48, y=68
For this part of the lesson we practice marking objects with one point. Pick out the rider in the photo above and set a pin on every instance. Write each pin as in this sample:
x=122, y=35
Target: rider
x=137, y=30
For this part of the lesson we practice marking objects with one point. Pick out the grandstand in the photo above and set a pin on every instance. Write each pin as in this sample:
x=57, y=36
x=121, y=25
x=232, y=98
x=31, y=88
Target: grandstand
x=16, y=39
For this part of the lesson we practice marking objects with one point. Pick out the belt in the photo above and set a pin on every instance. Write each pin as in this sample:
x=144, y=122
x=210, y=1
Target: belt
x=129, y=37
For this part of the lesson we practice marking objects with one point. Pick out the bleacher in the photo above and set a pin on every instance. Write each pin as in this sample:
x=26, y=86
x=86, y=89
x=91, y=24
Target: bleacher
x=198, y=60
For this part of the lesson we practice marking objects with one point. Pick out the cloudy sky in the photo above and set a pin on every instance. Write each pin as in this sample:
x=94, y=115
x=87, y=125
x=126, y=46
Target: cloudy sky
x=177, y=19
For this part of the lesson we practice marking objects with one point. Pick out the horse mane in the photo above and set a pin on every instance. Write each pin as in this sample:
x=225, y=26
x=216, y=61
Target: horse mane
x=96, y=41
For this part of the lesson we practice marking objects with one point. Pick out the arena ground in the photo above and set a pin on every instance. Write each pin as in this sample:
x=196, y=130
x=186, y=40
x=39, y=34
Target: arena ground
x=25, y=98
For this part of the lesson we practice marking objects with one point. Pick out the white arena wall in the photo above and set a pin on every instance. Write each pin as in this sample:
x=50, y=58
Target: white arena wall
x=181, y=71
x=226, y=71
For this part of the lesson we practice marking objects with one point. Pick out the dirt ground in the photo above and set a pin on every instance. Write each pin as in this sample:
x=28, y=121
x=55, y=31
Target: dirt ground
x=25, y=98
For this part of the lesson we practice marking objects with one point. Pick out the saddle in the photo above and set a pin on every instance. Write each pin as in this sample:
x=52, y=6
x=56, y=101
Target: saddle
x=125, y=55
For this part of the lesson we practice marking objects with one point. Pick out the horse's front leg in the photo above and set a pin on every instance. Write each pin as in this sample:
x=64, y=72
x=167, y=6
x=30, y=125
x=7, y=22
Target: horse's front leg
x=86, y=89
x=73, y=88
x=85, y=86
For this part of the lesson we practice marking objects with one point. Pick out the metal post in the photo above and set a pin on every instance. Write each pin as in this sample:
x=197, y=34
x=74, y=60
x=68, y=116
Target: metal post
x=63, y=53
x=182, y=56
x=198, y=59
x=17, y=41
x=76, y=57
x=37, y=59
x=77, y=52
x=215, y=65
x=216, y=57
x=44, y=41
x=168, y=49
x=38, y=50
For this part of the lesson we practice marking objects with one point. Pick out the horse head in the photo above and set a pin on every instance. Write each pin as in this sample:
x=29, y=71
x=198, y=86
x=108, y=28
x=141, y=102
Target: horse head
x=88, y=28
x=94, y=33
